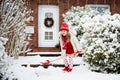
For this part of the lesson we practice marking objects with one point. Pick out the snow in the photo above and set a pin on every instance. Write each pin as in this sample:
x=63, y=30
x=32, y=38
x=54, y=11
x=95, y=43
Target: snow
x=81, y=72
x=14, y=69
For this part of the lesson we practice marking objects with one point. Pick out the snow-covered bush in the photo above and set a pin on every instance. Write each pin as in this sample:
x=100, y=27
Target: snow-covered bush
x=77, y=16
x=102, y=43
x=100, y=37
x=2, y=47
x=3, y=56
x=13, y=15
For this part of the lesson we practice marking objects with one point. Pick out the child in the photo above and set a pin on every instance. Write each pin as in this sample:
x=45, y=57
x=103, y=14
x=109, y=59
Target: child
x=69, y=46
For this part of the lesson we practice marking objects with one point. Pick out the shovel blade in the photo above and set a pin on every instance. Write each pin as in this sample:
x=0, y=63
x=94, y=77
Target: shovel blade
x=47, y=62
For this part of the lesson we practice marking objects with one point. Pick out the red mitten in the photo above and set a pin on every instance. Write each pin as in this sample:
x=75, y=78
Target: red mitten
x=77, y=53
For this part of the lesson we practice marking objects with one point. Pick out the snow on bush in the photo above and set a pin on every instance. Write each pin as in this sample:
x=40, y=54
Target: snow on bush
x=99, y=36
x=3, y=55
x=5, y=61
x=2, y=47
x=13, y=15
x=102, y=44
x=77, y=16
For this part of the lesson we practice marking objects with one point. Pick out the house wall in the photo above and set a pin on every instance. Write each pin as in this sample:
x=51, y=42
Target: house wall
x=64, y=5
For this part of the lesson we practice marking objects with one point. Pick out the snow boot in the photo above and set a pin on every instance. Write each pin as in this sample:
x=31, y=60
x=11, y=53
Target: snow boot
x=69, y=69
x=65, y=69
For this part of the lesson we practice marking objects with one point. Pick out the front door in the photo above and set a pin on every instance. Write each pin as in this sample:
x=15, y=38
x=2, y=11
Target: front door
x=48, y=25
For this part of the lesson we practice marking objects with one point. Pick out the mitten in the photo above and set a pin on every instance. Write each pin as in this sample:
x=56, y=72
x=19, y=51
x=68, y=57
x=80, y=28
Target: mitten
x=77, y=53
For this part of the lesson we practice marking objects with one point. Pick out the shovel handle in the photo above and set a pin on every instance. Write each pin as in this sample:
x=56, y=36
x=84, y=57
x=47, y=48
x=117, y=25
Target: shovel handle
x=57, y=59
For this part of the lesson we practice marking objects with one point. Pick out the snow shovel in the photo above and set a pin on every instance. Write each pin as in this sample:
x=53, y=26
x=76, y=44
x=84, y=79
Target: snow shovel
x=48, y=62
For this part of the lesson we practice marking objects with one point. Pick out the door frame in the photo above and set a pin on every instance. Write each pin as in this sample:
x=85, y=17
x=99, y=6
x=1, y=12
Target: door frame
x=55, y=22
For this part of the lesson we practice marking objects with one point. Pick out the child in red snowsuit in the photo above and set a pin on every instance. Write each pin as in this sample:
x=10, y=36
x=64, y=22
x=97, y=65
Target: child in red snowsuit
x=69, y=46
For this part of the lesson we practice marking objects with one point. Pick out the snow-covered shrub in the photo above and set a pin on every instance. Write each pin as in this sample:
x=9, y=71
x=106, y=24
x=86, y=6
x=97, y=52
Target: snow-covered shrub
x=102, y=43
x=3, y=56
x=77, y=16
x=99, y=36
x=4, y=68
x=2, y=47
x=13, y=15
x=5, y=61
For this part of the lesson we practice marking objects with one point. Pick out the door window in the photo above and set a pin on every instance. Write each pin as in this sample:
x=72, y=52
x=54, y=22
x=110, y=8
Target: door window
x=48, y=35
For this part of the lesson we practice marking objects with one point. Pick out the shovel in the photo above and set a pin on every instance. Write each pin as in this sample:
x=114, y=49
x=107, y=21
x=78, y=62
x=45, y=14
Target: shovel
x=48, y=62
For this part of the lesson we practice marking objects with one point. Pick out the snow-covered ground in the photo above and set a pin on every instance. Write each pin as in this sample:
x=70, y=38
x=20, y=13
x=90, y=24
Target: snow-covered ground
x=54, y=73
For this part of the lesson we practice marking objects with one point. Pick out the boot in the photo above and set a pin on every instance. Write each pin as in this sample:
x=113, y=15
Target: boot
x=69, y=69
x=65, y=69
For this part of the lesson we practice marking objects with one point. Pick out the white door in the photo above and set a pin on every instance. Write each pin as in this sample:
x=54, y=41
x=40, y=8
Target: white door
x=48, y=34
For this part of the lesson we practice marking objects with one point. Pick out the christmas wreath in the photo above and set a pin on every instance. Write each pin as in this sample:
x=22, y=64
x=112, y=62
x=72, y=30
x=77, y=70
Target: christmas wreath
x=48, y=22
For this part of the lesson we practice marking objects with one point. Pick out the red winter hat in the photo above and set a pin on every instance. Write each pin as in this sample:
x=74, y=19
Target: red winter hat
x=64, y=26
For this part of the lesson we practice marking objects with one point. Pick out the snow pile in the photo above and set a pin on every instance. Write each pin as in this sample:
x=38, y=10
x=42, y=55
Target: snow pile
x=99, y=36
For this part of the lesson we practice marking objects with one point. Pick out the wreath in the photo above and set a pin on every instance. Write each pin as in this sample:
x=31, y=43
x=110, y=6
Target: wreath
x=48, y=22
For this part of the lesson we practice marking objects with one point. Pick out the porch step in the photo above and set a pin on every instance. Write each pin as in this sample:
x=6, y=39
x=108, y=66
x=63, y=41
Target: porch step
x=34, y=59
x=47, y=49
x=46, y=66
x=44, y=54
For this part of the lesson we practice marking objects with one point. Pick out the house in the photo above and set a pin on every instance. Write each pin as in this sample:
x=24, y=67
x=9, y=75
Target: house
x=47, y=17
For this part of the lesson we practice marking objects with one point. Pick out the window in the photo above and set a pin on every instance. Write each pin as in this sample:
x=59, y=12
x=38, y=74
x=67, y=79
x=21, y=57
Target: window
x=100, y=8
x=48, y=15
x=48, y=35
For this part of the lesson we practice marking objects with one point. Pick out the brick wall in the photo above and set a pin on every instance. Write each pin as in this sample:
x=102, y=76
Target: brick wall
x=64, y=5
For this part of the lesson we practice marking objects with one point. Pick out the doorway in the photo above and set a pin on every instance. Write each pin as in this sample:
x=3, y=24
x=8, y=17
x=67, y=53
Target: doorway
x=48, y=25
